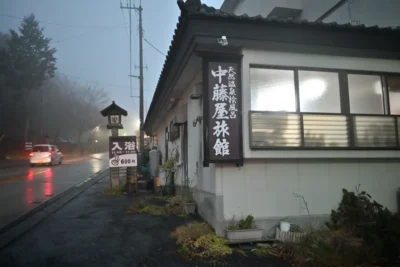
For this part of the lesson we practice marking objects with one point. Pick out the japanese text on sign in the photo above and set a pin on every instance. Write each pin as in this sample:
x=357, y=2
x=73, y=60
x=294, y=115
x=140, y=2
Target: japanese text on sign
x=224, y=101
x=122, y=151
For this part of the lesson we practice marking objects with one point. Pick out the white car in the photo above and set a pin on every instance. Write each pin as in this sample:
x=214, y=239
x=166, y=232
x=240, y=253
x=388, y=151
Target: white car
x=45, y=154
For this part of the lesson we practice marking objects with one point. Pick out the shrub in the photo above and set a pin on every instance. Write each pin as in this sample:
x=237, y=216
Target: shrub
x=212, y=247
x=198, y=240
x=189, y=233
x=360, y=216
x=175, y=206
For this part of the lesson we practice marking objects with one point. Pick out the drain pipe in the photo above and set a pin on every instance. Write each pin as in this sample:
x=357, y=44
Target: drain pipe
x=331, y=10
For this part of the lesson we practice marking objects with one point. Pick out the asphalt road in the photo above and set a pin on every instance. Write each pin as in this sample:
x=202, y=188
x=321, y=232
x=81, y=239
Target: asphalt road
x=24, y=188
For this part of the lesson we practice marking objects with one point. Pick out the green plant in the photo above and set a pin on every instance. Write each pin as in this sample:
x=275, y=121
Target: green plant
x=243, y=224
x=184, y=251
x=170, y=164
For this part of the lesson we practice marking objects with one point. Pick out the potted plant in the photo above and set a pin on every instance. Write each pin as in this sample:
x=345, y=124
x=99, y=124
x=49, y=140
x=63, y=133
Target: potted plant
x=244, y=230
x=169, y=168
x=187, y=195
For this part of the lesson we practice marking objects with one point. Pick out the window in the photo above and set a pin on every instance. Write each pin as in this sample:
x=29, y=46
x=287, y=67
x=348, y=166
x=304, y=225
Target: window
x=40, y=149
x=272, y=90
x=394, y=94
x=365, y=93
x=303, y=108
x=319, y=91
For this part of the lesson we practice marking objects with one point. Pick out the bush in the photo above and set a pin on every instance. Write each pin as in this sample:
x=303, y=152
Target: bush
x=189, y=233
x=360, y=216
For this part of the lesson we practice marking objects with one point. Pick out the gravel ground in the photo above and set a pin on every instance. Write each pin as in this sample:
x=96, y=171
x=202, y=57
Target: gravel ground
x=93, y=230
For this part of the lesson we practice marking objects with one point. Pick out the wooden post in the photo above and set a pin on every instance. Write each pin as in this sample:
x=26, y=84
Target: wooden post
x=114, y=172
x=131, y=180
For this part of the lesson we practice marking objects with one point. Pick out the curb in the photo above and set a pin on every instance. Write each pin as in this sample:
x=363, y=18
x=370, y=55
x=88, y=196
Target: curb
x=25, y=222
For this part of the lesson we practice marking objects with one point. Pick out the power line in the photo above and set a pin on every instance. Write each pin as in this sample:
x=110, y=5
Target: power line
x=63, y=25
x=123, y=18
x=155, y=48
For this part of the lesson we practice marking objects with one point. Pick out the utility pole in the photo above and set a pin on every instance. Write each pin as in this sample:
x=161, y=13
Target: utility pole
x=140, y=77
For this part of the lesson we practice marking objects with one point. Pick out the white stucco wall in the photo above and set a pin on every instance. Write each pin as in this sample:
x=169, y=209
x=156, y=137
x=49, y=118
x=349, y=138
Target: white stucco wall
x=262, y=7
x=265, y=188
x=306, y=60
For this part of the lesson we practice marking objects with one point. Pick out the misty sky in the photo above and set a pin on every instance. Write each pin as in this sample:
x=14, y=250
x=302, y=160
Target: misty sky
x=92, y=41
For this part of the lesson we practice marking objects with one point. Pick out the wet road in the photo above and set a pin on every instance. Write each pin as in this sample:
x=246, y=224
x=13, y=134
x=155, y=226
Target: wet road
x=24, y=188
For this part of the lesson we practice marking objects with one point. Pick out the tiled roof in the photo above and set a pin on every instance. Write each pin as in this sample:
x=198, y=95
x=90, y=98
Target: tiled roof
x=194, y=8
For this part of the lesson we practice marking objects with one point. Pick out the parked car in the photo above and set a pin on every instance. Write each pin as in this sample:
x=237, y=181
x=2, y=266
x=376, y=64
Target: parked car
x=45, y=154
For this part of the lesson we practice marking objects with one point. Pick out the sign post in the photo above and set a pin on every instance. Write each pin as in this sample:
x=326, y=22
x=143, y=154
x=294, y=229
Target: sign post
x=120, y=150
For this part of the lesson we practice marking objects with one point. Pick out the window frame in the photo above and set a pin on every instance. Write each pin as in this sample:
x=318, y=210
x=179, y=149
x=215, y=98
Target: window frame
x=344, y=106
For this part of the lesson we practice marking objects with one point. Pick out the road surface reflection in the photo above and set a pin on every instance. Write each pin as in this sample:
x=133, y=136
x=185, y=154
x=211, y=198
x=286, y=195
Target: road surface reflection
x=48, y=182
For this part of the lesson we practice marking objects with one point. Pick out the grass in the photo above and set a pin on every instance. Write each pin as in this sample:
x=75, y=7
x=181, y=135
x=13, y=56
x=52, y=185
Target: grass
x=112, y=192
x=153, y=210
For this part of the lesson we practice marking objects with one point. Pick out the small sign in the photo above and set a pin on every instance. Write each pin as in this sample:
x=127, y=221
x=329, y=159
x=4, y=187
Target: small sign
x=28, y=145
x=114, y=119
x=122, y=151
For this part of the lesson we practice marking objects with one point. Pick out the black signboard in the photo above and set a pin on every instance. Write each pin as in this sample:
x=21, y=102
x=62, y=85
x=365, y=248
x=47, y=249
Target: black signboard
x=222, y=111
x=122, y=151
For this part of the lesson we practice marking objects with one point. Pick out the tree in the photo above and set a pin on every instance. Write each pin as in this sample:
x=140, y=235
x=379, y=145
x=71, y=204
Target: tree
x=32, y=58
x=30, y=62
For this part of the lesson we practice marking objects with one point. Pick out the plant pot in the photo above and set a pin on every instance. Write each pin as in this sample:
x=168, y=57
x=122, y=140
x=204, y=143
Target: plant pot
x=189, y=207
x=285, y=226
x=244, y=235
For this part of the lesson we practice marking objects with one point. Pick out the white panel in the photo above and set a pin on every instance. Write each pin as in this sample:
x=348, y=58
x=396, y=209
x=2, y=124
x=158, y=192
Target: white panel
x=265, y=189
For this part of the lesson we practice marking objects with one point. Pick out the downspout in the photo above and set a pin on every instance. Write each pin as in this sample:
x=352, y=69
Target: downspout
x=331, y=10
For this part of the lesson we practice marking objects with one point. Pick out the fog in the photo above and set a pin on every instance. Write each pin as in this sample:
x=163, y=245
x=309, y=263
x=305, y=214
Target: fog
x=90, y=39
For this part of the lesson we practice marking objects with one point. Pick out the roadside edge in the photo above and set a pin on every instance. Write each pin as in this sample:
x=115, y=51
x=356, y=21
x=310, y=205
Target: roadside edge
x=25, y=222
